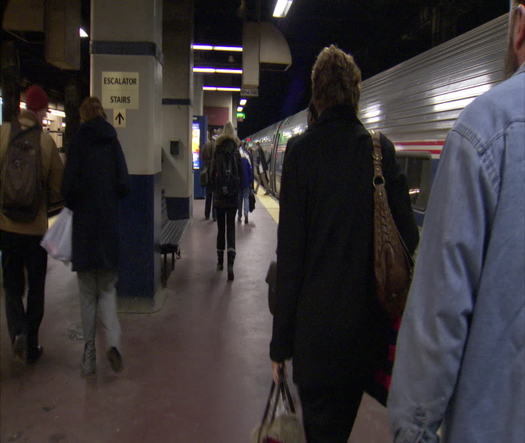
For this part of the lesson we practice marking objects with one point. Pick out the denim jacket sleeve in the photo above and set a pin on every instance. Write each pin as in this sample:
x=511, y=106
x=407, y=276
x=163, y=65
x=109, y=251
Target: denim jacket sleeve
x=436, y=321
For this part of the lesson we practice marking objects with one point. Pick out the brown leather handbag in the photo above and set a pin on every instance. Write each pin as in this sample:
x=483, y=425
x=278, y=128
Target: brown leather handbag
x=393, y=264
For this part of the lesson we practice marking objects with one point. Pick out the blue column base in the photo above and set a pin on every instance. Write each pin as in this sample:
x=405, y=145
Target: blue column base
x=139, y=261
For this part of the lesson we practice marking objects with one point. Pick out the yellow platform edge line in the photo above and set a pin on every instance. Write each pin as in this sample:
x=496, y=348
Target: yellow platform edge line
x=271, y=205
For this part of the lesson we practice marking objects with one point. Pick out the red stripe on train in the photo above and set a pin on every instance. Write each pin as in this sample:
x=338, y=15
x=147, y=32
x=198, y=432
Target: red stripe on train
x=430, y=151
x=422, y=143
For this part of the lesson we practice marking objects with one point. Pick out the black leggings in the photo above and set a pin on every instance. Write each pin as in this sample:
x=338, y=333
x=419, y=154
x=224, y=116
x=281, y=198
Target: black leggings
x=329, y=413
x=226, y=225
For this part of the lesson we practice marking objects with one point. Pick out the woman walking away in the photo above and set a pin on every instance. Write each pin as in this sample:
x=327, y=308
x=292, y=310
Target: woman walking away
x=95, y=179
x=226, y=181
x=246, y=185
x=327, y=316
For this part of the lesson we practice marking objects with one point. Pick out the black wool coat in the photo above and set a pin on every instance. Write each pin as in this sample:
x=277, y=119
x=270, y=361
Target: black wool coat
x=95, y=179
x=327, y=316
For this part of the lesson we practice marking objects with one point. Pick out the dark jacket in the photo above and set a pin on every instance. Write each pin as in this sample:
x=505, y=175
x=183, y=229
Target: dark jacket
x=247, y=175
x=206, y=156
x=225, y=144
x=327, y=317
x=95, y=179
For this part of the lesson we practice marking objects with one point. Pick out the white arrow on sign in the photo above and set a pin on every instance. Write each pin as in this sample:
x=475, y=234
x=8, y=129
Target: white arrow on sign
x=119, y=118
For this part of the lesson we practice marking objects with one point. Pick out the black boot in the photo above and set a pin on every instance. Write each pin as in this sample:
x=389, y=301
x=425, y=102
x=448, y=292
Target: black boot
x=231, y=260
x=220, y=260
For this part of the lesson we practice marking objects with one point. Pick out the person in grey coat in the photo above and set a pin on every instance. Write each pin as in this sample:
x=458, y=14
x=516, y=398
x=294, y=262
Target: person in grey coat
x=95, y=179
x=460, y=360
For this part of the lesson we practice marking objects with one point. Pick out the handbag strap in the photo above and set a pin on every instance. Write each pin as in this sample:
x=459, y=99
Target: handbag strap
x=377, y=157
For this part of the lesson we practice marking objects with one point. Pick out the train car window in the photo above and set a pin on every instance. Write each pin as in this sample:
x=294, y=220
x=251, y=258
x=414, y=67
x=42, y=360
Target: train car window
x=417, y=167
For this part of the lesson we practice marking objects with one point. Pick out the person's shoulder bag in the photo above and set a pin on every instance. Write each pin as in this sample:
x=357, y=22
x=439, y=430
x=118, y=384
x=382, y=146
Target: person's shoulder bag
x=393, y=264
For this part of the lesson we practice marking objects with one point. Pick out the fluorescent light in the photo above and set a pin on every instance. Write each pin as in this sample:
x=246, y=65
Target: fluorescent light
x=239, y=108
x=229, y=89
x=217, y=70
x=206, y=70
x=83, y=34
x=200, y=47
x=228, y=48
x=243, y=101
x=221, y=88
x=281, y=8
x=228, y=71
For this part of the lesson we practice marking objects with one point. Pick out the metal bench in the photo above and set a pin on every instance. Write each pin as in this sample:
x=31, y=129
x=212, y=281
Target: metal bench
x=170, y=237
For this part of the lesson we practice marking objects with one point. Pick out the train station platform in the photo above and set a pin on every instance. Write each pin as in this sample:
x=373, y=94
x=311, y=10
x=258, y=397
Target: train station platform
x=195, y=370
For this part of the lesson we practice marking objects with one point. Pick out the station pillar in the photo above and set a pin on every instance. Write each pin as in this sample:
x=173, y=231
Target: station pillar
x=177, y=108
x=126, y=73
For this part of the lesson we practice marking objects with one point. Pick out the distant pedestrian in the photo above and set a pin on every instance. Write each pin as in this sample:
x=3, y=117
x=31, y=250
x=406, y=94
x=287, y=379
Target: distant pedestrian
x=95, y=179
x=205, y=164
x=226, y=173
x=246, y=185
x=327, y=317
x=262, y=169
x=460, y=359
x=23, y=219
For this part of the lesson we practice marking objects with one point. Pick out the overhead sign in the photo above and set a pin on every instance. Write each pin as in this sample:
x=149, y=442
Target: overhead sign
x=120, y=90
x=119, y=117
x=250, y=92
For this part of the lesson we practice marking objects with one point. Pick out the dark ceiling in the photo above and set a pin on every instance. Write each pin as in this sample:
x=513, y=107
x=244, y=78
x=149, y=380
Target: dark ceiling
x=379, y=33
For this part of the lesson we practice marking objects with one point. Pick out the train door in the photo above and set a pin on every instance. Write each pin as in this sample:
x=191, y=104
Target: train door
x=277, y=161
x=419, y=168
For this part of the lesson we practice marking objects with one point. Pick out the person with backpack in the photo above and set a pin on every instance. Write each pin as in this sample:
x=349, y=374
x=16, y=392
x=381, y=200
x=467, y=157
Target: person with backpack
x=30, y=178
x=226, y=174
x=95, y=179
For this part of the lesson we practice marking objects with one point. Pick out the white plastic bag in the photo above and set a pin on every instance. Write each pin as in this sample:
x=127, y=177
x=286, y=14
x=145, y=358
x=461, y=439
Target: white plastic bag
x=58, y=239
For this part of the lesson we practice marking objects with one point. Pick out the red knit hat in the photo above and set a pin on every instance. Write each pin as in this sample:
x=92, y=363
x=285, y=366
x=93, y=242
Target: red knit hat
x=36, y=98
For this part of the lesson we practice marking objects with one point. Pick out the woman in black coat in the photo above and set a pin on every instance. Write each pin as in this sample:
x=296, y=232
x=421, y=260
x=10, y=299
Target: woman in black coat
x=226, y=177
x=327, y=316
x=95, y=179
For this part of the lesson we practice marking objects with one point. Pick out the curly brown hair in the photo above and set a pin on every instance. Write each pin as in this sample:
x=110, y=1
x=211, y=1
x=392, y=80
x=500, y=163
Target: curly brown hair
x=90, y=109
x=336, y=79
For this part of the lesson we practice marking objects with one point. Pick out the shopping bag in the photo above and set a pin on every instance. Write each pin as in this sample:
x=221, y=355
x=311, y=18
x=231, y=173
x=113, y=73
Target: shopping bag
x=58, y=239
x=280, y=423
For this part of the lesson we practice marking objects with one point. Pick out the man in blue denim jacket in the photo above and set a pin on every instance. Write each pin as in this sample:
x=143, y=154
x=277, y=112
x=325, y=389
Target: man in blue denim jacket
x=461, y=349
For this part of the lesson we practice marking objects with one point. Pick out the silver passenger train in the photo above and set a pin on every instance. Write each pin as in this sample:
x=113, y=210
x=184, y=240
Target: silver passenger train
x=414, y=104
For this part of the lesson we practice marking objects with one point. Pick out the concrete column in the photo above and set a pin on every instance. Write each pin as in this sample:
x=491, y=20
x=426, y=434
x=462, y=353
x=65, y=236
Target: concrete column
x=198, y=94
x=72, y=96
x=10, y=77
x=177, y=108
x=218, y=107
x=126, y=73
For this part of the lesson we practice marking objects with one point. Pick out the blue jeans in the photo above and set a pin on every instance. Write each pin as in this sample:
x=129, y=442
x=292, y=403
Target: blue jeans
x=244, y=196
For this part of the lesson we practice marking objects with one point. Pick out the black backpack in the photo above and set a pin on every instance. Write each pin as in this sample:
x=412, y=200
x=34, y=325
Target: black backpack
x=22, y=189
x=227, y=178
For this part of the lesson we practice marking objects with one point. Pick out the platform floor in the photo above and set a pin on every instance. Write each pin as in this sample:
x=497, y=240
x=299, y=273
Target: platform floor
x=195, y=371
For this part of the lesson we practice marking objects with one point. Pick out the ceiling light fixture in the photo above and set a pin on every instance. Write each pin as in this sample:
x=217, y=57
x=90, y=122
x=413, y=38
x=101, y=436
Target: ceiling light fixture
x=243, y=101
x=217, y=70
x=281, y=8
x=200, y=47
x=221, y=89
